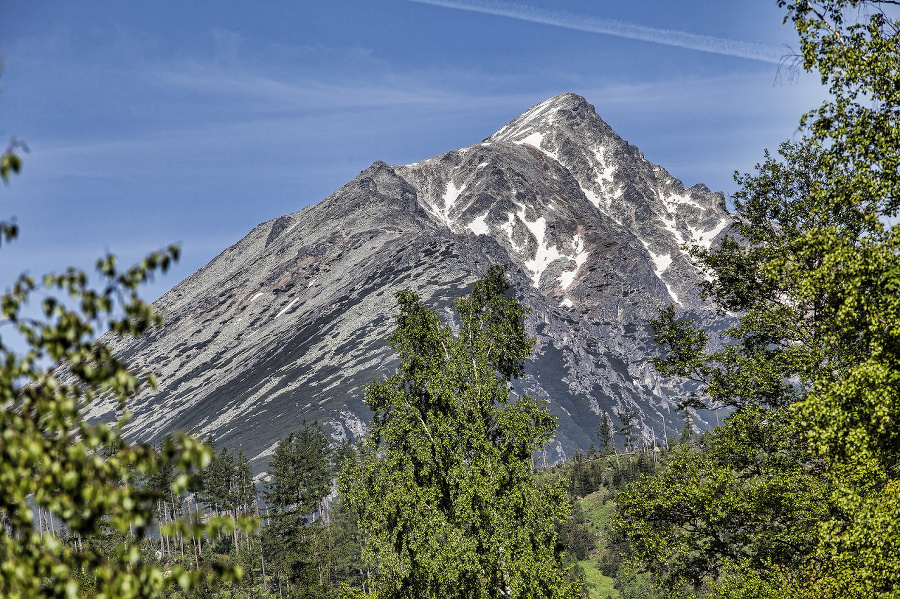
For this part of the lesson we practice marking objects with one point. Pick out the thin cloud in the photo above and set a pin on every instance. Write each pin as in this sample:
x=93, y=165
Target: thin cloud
x=668, y=37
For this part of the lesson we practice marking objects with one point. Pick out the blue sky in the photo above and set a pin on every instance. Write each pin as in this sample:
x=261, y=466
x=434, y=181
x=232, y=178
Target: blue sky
x=158, y=122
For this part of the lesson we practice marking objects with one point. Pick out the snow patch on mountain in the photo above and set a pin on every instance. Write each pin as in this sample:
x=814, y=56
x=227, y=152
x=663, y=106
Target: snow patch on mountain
x=581, y=255
x=448, y=201
x=661, y=263
x=536, y=140
x=288, y=307
x=479, y=225
x=509, y=228
x=545, y=254
x=705, y=238
x=682, y=199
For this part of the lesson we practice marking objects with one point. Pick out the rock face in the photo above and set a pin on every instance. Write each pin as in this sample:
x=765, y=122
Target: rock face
x=290, y=322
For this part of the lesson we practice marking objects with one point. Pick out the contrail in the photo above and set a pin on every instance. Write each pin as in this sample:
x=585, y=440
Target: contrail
x=669, y=37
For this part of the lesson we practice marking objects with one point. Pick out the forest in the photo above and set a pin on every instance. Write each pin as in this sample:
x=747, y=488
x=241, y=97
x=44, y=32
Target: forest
x=795, y=494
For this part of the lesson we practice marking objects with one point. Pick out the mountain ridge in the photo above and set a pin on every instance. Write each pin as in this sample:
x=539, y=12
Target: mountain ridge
x=290, y=322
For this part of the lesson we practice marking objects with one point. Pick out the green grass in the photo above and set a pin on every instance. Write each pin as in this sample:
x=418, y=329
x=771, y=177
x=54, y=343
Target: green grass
x=598, y=585
x=598, y=508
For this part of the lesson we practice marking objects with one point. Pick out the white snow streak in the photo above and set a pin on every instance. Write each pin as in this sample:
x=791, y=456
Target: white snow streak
x=288, y=307
x=509, y=227
x=545, y=254
x=604, y=181
x=255, y=297
x=684, y=199
x=593, y=198
x=705, y=238
x=567, y=278
x=566, y=303
x=661, y=262
x=450, y=196
x=535, y=140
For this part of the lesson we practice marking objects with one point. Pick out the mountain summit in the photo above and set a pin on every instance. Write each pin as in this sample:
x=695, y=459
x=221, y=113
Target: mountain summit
x=289, y=323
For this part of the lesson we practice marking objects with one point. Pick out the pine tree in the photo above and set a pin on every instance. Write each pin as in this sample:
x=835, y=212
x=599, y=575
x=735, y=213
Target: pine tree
x=626, y=428
x=605, y=432
x=300, y=476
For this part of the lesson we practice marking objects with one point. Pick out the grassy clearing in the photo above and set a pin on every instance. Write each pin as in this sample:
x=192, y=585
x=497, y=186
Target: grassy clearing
x=598, y=585
x=598, y=508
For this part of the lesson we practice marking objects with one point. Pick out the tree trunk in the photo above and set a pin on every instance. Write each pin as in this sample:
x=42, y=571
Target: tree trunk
x=262, y=560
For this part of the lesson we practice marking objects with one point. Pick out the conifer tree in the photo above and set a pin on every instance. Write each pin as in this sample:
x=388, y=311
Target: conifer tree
x=605, y=432
x=626, y=428
x=300, y=476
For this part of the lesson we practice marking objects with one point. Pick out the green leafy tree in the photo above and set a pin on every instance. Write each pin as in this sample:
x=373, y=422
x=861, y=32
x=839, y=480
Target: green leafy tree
x=751, y=496
x=814, y=272
x=853, y=409
x=80, y=477
x=447, y=502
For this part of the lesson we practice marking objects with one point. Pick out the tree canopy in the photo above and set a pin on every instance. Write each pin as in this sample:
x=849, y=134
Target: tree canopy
x=812, y=271
x=447, y=501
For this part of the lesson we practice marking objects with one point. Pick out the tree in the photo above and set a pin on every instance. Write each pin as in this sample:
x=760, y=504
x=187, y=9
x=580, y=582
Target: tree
x=626, y=429
x=217, y=480
x=448, y=506
x=300, y=477
x=814, y=273
x=853, y=410
x=751, y=496
x=605, y=432
x=81, y=477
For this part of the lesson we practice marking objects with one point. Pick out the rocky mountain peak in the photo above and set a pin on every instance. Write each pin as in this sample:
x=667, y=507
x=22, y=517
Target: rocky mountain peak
x=564, y=116
x=290, y=322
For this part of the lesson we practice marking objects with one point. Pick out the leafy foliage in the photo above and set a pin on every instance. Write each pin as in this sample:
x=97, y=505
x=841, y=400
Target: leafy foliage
x=446, y=498
x=814, y=272
x=751, y=495
x=84, y=474
x=852, y=411
x=82, y=479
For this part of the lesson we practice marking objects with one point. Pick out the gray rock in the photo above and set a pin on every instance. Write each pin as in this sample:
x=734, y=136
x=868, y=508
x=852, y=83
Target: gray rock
x=290, y=322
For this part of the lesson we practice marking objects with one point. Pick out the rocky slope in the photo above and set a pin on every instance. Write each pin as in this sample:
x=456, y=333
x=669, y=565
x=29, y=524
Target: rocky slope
x=290, y=322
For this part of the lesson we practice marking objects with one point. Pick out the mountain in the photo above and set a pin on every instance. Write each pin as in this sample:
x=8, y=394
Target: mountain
x=289, y=323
